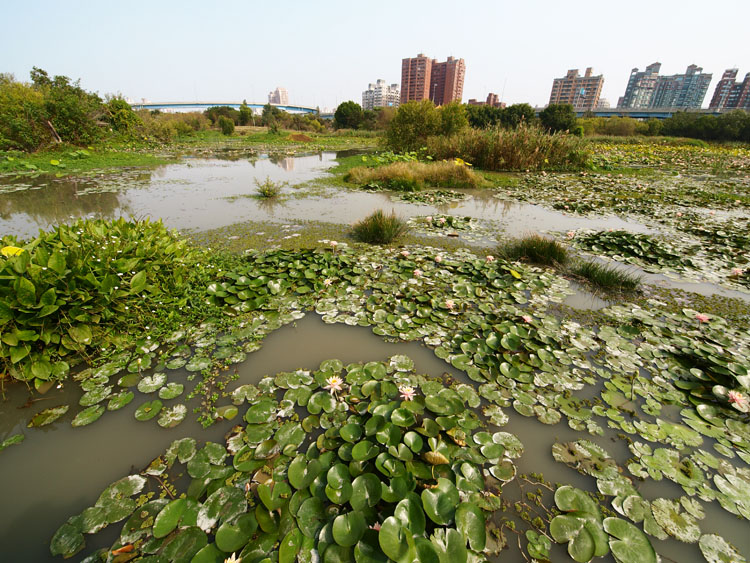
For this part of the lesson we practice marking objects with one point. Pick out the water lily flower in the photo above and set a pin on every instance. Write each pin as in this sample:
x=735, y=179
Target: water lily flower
x=438, y=258
x=679, y=214
x=449, y=304
x=739, y=399
x=232, y=559
x=571, y=234
x=418, y=273
x=407, y=392
x=712, y=212
x=405, y=253
x=428, y=219
x=442, y=220
x=737, y=271
x=527, y=318
x=489, y=258
x=327, y=282
x=702, y=318
x=334, y=384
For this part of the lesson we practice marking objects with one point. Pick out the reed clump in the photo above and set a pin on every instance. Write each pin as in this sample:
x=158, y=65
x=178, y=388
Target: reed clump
x=535, y=249
x=379, y=228
x=414, y=176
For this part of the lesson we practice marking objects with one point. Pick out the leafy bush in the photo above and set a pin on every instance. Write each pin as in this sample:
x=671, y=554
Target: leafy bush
x=22, y=116
x=226, y=125
x=413, y=176
x=216, y=112
x=122, y=118
x=412, y=124
x=604, y=276
x=379, y=228
x=558, y=117
x=349, y=115
x=71, y=291
x=268, y=188
x=535, y=249
x=525, y=148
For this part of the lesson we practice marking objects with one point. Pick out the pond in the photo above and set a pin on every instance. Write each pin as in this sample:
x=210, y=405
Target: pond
x=584, y=374
x=86, y=460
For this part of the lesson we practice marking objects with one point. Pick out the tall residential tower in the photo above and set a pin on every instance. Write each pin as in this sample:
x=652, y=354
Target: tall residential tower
x=423, y=78
x=730, y=94
x=582, y=92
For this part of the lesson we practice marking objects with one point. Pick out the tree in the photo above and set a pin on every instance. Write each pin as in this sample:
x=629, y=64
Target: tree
x=349, y=115
x=270, y=115
x=22, y=116
x=412, y=124
x=226, y=124
x=452, y=118
x=215, y=112
x=246, y=114
x=484, y=116
x=516, y=114
x=558, y=117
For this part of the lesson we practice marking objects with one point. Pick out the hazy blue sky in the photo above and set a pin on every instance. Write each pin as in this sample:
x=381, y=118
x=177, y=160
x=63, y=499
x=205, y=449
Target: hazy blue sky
x=327, y=51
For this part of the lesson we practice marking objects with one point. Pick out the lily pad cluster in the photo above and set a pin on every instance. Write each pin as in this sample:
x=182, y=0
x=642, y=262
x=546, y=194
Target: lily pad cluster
x=431, y=197
x=633, y=248
x=365, y=462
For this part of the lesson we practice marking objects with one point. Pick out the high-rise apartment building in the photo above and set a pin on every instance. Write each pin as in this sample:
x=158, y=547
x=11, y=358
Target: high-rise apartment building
x=683, y=91
x=640, y=88
x=582, y=92
x=380, y=95
x=423, y=78
x=279, y=96
x=730, y=94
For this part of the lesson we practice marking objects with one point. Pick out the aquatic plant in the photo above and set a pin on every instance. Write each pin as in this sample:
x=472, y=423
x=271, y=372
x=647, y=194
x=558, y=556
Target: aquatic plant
x=642, y=249
x=359, y=474
x=268, y=188
x=536, y=249
x=379, y=228
x=605, y=276
x=414, y=176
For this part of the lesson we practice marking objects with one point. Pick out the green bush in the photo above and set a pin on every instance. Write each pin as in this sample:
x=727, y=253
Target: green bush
x=349, y=115
x=22, y=117
x=268, y=188
x=412, y=124
x=379, y=228
x=226, y=125
x=76, y=290
x=558, y=117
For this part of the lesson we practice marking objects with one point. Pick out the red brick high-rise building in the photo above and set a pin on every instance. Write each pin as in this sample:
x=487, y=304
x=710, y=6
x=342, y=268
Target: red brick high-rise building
x=731, y=94
x=423, y=78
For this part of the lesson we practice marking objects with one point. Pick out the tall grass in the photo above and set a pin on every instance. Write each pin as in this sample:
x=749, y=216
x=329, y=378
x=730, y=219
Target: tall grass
x=379, y=228
x=268, y=188
x=535, y=249
x=411, y=176
x=524, y=148
x=604, y=276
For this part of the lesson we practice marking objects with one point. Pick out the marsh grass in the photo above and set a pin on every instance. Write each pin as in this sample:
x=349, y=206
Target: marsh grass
x=523, y=148
x=268, y=188
x=535, y=249
x=379, y=228
x=413, y=176
x=604, y=276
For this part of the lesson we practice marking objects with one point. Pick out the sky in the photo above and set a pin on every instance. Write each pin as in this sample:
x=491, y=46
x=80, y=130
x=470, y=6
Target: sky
x=325, y=52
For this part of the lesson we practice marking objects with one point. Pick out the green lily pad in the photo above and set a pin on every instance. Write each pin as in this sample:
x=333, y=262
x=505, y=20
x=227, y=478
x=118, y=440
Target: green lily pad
x=348, y=528
x=680, y=525
x=170, y=391
x=87, y=416
x=151, y=383
x=441, y=502
x=172, y=416
x=628, y=543
x=120, y=400
x=48, y=416
x=148, y=410
x=716, y=549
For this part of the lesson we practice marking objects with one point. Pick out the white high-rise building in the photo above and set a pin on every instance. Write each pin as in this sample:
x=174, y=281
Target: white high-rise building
x=380, y=95
x=279, y=97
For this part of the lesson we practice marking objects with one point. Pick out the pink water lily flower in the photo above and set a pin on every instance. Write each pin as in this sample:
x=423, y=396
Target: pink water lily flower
x=737, y=271
x=405, y=253
x=679, y=214
x=407, y=392
x=438, y=258
x=428, y=219
x=449, y=304
x=418, y=273
x=334, y=384
x=327, y=282
x=527, y=318
x=489, y=258
x=442, y=220
x=571, y=234
x=739, y=399
x=702, y=318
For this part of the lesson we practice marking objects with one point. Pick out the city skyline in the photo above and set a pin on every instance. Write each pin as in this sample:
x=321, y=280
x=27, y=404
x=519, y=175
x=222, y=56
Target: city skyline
x=186, y=51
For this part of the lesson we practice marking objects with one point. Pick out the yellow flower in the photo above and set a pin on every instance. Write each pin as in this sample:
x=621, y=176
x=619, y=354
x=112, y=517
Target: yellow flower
x=11, y=251
x=461, y=162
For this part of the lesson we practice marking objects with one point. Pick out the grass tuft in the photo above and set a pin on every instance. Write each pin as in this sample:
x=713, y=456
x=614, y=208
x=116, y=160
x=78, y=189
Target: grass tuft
x=413, y=176
x=380, y=228
x=604, y=276
x=535, y=249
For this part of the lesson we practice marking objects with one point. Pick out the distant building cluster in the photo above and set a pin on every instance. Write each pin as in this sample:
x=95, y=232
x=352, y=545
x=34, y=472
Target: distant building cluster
x=381, y=95
x=279, y=97
x=492, y=100
x=582, y=92
x=730, y=94
x=423, y=78
x=647, y=89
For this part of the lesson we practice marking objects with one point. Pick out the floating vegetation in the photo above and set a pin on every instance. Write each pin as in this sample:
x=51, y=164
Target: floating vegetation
x=432, y=197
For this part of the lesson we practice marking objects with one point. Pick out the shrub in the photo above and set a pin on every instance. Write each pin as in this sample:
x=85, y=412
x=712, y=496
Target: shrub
x=22, y=116
x=379, y=228
x=226, y=125
x=604, y=276
x=525, y=148
x=413, y=176
x=558, y=117
x=535, y=249
x=268, y=188
x=349, y=115
x=412, y=124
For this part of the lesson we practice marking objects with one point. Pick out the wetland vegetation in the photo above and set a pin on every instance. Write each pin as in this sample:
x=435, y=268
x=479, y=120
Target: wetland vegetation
x=540, y=432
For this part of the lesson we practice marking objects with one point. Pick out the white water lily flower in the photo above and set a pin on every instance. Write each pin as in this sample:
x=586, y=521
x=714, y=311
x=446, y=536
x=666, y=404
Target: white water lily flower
x=334, y=384
x=407, y=392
